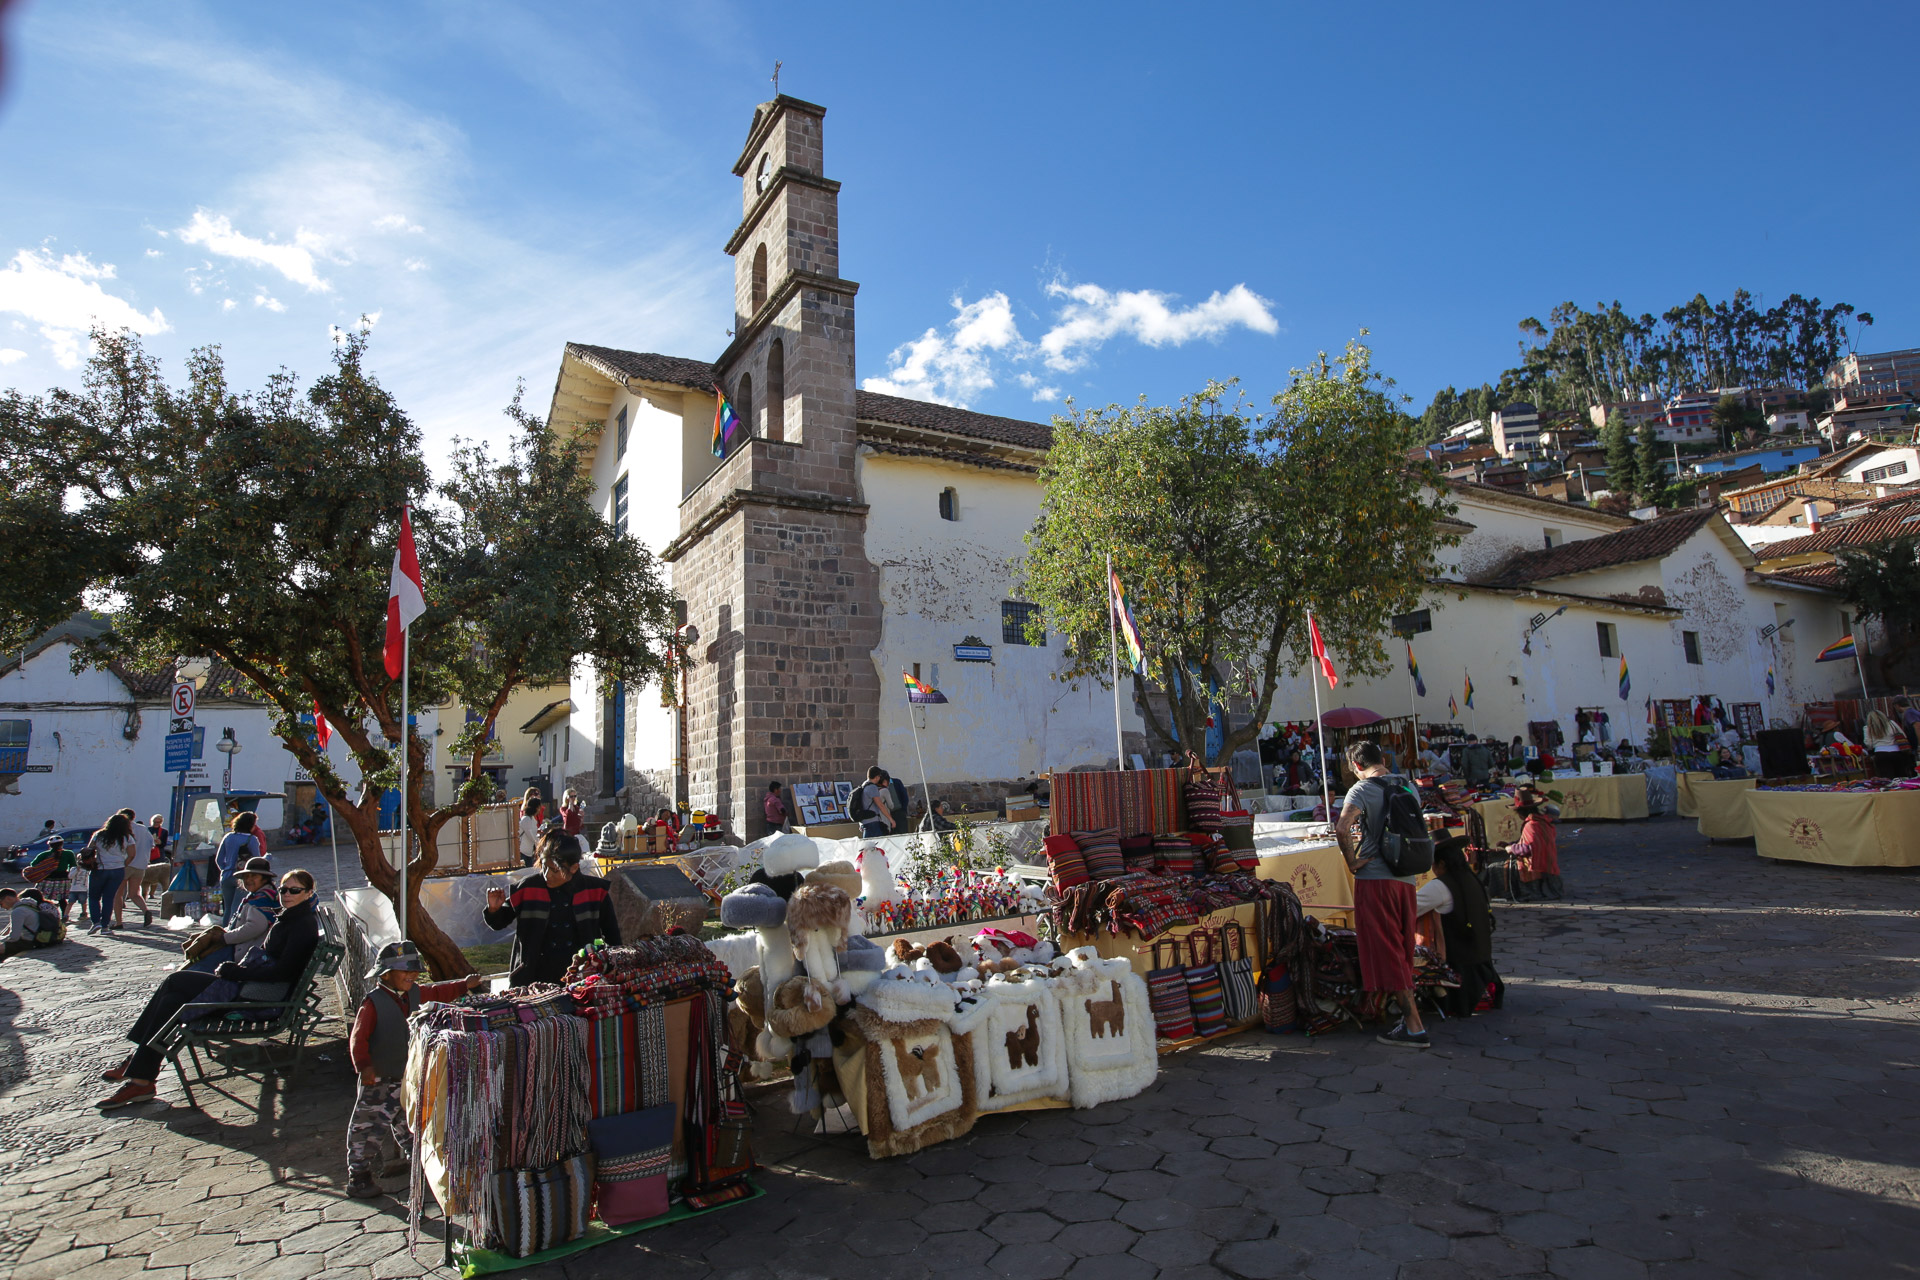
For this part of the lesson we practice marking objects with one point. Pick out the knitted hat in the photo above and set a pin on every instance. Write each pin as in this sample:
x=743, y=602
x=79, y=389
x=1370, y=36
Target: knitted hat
x=863, y=956
x=788, y=853
x=396, y=957
x=753, y=906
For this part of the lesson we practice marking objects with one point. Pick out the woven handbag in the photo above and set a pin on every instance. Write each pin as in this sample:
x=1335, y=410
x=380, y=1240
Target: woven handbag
x=536, y=1209
x=1205, y=994
x=1167, y=995
x=1278, y=1009
x=1236, y=974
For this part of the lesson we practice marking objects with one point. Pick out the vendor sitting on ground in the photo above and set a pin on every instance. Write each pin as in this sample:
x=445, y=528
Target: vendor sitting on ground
x=21, y=911
x=269, y=969
x=254, y=915
x=555, y=912
x=1537, y=848
x=377, y=1046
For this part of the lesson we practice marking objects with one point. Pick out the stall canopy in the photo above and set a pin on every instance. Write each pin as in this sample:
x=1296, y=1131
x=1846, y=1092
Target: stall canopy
x=1350, y=718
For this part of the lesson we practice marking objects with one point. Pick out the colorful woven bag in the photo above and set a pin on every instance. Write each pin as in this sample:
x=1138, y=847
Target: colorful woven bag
x=1278, y=1009
x=1167, y=995
x=1205, y=994
x=1236, y=974
x=1203, y=805
x=536, y=1209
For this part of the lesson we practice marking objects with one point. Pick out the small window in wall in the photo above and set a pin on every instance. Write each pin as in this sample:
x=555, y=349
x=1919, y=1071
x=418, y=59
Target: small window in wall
x=949, y=504
x=1553, y=538
x=1690, y=641
x=1419, y=622
x=1883, y=473
x=1609, y=640
x=620, y=432
x=620, y=504
x=1015, y=619
x=15, y=737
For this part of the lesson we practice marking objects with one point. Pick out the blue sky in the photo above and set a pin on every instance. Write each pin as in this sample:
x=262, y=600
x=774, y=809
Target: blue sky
x=1099, y=201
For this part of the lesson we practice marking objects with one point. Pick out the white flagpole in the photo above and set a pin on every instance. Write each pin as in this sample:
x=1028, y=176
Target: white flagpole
x=925, y=792
x=1854, y=635
x=406, y=750
x=1113, y=648
x=1320, y=731
x=1413, y=699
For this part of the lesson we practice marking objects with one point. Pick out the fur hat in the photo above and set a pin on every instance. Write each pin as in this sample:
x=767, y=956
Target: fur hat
x=818, y=906
x=752, y=906
x=788, y=853
x=800, y=1007
x=842, y=875
x=944, y=958
x=863, y=956
x=752, y=997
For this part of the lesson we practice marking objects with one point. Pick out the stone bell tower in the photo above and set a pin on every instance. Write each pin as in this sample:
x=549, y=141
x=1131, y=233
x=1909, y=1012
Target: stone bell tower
x=771, y=556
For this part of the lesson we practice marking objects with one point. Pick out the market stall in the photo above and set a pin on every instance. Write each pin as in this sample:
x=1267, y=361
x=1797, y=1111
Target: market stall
x=1618, y=796
x=1684, y=781
x=1852, y=827
x=1722, y=807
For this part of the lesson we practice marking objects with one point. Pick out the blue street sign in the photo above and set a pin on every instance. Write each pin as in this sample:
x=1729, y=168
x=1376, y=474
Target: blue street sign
x=179, y=751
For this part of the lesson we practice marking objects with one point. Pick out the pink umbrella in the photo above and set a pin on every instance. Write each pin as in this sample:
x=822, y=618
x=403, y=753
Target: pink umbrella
x=1350, y=718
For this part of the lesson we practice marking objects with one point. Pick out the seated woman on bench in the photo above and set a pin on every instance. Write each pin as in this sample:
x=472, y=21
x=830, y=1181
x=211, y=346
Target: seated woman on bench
x=280, y=960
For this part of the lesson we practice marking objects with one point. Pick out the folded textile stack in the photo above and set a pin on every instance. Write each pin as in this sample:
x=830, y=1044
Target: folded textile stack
x=608, y=981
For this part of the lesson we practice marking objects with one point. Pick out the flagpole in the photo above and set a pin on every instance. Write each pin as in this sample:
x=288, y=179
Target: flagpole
x=1113, y=650
x=926, y=793
x=1413, y=699
x=1853, y=635
x=1320, y=736
x=406, y=750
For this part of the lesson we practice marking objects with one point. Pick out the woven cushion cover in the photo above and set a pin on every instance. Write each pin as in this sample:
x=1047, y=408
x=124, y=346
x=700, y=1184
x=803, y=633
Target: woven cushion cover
x=1064, y=862
x=631, y=1153
x=1101, y=851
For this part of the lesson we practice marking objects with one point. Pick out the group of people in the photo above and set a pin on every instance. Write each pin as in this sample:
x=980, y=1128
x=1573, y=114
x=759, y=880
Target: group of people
x=533, y=816
x=124, y=861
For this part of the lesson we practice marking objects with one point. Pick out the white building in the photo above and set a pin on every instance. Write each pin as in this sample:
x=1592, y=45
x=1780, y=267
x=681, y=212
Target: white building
x=1516, y=429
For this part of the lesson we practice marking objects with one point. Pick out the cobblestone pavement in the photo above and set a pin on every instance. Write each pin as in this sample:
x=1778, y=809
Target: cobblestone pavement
x=1707, y=1067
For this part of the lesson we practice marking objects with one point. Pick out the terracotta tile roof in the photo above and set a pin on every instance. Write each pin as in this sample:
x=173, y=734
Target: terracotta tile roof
x=1648, y=541
x=223, y=682
x=958, y=456
x=868, y=406
x=1825, y=574
x=1895, y=520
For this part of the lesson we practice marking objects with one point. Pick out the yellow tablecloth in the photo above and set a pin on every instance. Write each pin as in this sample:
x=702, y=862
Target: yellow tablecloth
x=1722, y=806
x=1318, y=874
x=1689, y=807
x=1623, y=795
x=1849, y=829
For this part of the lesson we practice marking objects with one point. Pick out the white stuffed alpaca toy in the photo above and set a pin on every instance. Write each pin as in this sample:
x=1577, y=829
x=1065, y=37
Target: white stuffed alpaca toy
x=877, y=884
x=817, y=919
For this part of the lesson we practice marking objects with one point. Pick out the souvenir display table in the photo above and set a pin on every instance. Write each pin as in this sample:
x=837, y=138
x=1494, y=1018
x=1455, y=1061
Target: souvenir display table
x=1850, y=828
x=1689, y=806
x=1622, y=796
x=1722, y=806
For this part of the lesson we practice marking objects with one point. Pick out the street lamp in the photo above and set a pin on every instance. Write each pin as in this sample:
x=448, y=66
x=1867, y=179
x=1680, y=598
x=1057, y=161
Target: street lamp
x=227, y=745
x=194, y=671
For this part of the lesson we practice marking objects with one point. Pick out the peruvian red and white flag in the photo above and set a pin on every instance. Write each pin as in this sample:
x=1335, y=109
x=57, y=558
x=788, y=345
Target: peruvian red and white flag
x=322, y=731
x=1320, y=654
x=406, y=595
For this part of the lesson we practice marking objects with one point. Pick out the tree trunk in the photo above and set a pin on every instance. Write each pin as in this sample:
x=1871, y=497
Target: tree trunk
x=442, y=954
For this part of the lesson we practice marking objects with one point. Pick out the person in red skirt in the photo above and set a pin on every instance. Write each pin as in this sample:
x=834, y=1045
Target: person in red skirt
x=1383, y=903
x=1538, y=848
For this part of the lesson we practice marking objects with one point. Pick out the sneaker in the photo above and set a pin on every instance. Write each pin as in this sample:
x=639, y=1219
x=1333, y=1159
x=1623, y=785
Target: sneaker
x=1401, y=1038
x=93, y=929
x=128, y=1094
x=361, y=1186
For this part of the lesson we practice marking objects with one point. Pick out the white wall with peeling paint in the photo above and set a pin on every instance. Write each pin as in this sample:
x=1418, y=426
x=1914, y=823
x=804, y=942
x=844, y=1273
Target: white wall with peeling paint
x=943, y=580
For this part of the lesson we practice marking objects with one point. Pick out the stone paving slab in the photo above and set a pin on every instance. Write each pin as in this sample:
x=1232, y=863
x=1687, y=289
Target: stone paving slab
x=1707, y=1067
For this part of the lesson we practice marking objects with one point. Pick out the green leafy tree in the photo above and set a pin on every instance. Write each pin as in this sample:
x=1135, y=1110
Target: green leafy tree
x=1884, y=582
x=1226, y=524
x=1623, y=463
x=1650, y=463
x=259, y=529
x=1733, y=419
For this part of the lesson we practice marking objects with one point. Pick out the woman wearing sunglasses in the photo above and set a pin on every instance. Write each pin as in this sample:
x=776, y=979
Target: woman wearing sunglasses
x=280, y=958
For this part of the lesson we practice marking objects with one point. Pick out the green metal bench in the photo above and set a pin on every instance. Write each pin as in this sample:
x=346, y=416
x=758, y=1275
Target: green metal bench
x=244, y=1035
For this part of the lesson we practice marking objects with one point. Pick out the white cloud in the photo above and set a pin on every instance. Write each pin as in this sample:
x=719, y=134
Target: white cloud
x=952, y=367
x=1042, y=393
x=11, y=355
x=64, y=298
x=155, y=253
x=294, y=261
x=396, y=222
x=1092, y=315
x=228, y=304
x=415, y=264
x=268, y=301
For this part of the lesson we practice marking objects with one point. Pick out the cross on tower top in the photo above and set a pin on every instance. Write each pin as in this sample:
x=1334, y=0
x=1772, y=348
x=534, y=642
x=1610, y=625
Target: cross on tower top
x=776, y=78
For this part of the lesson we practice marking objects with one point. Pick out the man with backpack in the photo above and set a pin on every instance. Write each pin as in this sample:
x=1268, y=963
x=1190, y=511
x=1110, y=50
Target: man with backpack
x=872, y=805
x=30, y=923
x=1387, y=845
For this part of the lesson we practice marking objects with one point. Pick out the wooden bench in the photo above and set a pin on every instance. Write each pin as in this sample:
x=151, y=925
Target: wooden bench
x=252, y=1029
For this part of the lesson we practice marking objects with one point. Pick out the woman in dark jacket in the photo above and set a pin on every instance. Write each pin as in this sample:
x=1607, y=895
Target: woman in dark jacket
x=1469, y=931
x=555, y=913
x=279, y=961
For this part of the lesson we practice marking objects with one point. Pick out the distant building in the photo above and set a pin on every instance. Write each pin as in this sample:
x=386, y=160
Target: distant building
x=1688, y=418
x=1756, y=500
x=1844, y=425
x=1516, y=429
x=1635, y=413
x=1789, y=422
x=1884, y=375
x=1770, y=460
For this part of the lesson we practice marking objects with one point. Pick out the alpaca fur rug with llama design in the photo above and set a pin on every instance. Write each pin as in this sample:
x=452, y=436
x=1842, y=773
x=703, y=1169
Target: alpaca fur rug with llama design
x=1107, y=1029
x=919, y=1082
x=1020, y=1054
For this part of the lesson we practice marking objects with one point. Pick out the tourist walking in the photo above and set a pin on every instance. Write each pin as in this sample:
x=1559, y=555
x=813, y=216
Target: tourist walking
x=134, y=883
x=105, y=860
x=573, y=813
x=1383, y=903
x=876, y=805
x=530, y=813
x=774, y=810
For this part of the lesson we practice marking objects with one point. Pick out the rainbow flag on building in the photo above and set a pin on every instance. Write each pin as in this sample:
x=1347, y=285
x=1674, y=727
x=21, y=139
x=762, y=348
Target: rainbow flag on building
x=1123, y=618
x=1769, y=679
x=1413, y=669
x=725, y=423
x=1469, y=698
x=1453, y=708
x=1626, y=682
x=920, y=691
x=1838, y=651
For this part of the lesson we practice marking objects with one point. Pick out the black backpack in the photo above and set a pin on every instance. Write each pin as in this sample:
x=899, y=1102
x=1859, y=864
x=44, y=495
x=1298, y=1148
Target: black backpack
x=857, y=808
x=1405, y=842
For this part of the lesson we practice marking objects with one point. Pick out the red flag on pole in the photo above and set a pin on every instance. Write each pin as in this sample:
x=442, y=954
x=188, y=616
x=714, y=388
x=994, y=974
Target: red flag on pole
x=322, y=733
x=1320, y=654
x=407, y=594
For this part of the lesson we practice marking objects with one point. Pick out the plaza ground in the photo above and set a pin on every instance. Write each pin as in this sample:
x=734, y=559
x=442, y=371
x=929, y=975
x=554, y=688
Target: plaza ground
x=1707, y=1067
